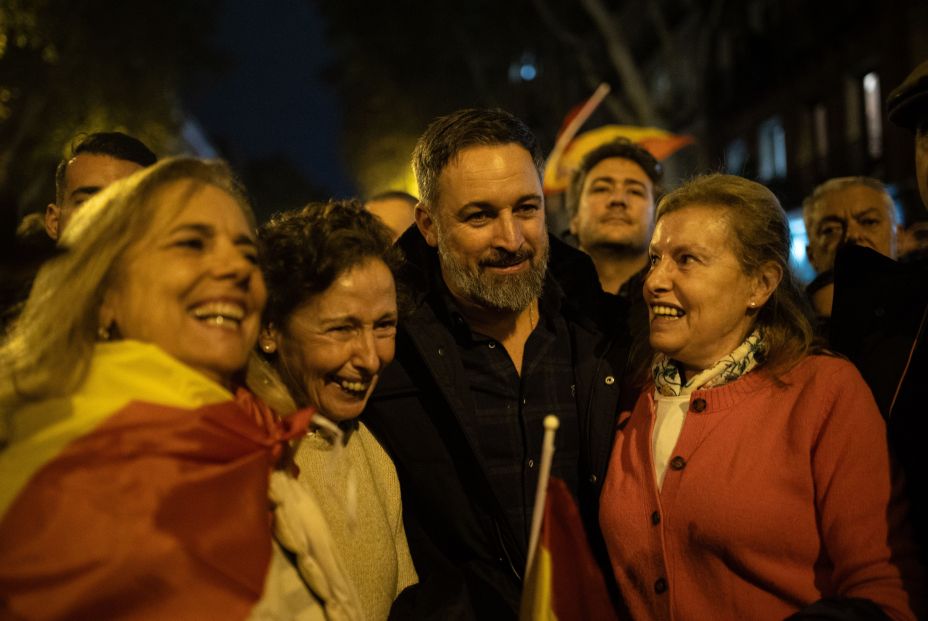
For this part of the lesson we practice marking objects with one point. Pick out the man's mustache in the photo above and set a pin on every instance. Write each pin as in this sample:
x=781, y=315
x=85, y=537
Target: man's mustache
x=504, y=258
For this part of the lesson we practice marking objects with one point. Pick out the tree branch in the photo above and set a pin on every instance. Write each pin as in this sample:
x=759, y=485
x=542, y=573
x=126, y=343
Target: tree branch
x=621, y=58
x=591, y=77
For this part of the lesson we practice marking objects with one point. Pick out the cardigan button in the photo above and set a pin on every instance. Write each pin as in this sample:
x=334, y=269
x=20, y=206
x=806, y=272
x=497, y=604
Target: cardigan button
x=441, y=351
x=609, y=380
x=660, y=586
x=655, y=518
x=699, y=404
x=678, y=463
x=593, y=478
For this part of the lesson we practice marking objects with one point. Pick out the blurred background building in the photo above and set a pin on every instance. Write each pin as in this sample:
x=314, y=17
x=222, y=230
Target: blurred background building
x=313, y=98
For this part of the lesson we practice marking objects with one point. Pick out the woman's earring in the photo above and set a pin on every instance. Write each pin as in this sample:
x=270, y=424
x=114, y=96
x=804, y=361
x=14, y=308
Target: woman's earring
x=267, y=341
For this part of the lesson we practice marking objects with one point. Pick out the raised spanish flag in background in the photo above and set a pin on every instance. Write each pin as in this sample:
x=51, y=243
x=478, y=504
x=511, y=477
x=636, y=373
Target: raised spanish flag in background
x=560, y=169
x=571, y=147
x=564, y=582
x=143, y=495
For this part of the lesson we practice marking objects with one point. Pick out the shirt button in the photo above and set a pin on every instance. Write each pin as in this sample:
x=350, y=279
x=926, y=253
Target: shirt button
x=593, y=478
x=531, y=463
x=524, y=401
x=610, y=380
x=492, y=345
x=678, y=463
x=660, y=586
x=699, y=404
x=655, y=518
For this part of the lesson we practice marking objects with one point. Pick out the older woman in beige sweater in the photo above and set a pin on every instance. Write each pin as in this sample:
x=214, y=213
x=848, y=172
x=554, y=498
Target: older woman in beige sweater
x=329, y=330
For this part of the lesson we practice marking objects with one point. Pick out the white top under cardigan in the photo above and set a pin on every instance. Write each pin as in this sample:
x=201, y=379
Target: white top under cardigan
x=670, y=414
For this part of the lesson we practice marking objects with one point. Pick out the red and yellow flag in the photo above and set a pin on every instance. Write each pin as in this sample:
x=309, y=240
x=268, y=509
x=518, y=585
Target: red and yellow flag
x=660, y=143
x=564, y=582
x=141, y=496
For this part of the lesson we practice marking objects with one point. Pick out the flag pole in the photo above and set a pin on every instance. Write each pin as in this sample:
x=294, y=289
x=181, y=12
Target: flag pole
x=585, y=112
x=551, y=424
x=574, y=125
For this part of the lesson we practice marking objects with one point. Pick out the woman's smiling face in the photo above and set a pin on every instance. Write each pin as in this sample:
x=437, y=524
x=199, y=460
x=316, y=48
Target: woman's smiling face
x=335, y=345
x=191, y=284
x=699, y=299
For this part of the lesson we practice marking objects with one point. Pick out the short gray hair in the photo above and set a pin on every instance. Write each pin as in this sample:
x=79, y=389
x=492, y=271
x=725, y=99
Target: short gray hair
x=820, y=193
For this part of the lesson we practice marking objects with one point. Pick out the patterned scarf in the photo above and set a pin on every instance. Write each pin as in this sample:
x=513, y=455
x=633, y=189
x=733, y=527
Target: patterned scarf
x=749, y=354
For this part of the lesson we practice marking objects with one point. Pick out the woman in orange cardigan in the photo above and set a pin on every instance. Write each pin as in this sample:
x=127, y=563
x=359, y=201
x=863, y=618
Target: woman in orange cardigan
x=752, y=479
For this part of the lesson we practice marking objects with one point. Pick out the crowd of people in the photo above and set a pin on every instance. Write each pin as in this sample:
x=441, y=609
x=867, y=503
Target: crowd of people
x=338, y=414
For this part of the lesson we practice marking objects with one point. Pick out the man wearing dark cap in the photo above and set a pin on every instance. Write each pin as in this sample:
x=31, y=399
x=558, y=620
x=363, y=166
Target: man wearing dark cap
x=908, y=108
x=880, y=318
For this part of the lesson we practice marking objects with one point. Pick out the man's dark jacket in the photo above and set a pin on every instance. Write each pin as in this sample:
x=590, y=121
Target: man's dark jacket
x=879, y=322
x=470, y=563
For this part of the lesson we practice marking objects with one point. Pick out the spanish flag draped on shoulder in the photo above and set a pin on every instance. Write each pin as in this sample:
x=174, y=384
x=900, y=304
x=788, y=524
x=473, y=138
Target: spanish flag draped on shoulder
x=142, y=495
x=563, y=581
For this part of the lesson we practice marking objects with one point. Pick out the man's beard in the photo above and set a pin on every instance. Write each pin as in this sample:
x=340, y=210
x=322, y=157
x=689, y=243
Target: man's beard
x=505, y=292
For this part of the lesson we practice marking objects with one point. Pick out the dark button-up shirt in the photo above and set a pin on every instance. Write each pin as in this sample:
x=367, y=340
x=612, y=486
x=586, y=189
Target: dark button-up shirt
x=509, y=408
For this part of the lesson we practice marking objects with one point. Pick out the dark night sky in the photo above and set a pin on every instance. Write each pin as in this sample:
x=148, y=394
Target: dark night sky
x=271, y=99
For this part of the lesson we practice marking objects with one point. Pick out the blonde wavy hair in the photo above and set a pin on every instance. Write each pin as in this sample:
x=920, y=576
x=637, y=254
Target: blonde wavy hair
x=47, y=350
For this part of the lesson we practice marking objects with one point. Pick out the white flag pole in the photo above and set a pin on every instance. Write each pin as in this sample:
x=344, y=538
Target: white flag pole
x=551, y=424
x=560, y=144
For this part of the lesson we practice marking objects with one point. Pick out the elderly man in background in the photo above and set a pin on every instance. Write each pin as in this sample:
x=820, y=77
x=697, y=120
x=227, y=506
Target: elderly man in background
x=846, y=210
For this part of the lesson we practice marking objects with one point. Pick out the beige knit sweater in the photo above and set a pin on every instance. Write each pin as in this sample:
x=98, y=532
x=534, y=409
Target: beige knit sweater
x=374, y=553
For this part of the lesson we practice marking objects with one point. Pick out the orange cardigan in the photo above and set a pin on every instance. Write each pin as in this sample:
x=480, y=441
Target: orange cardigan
x=775, y=497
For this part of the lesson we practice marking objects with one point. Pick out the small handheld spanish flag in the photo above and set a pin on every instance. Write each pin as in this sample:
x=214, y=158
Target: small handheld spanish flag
x=563, y=581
